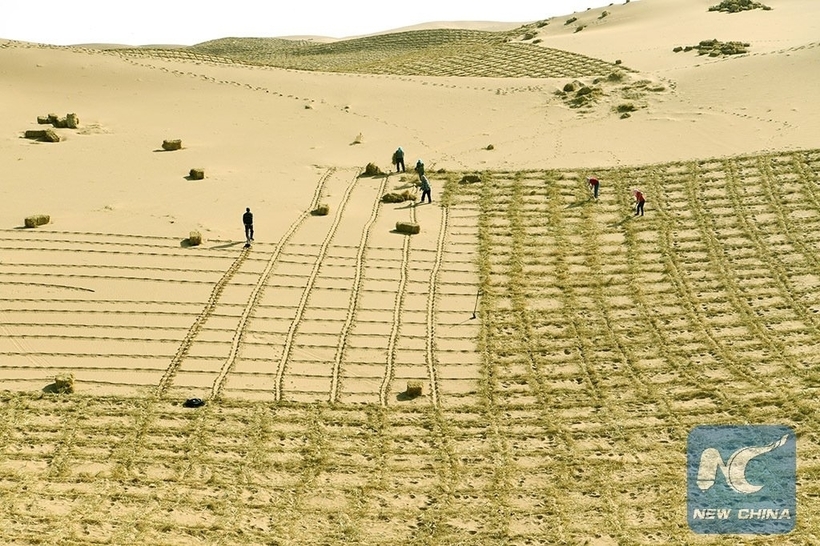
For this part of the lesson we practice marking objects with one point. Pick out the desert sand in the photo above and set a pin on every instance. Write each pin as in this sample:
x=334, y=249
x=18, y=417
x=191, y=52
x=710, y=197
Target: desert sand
x=560, y=344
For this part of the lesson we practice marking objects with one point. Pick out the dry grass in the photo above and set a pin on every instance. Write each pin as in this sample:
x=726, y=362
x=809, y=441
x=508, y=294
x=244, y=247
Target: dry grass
x=434, y=52
x=603, y=341
x=399, y=197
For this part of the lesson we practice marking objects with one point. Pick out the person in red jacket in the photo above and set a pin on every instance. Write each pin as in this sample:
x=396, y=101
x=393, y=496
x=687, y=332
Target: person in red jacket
x=593, y=185
x=640, y=200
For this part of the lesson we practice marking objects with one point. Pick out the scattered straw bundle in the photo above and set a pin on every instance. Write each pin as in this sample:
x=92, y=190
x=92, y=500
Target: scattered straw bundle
x=169, y=145
x=322, y=210
x=195, y=238
x=470, y=179
x=408, y=227
x=197, y=174
x=46, y=135
x=64, y=383
x=37, y=220
x=414, y=389
x=72, y=121
x=372, y=170
x=398, y=197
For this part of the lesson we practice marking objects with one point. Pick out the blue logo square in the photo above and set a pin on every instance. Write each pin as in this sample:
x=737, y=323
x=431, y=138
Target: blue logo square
x=741, y=479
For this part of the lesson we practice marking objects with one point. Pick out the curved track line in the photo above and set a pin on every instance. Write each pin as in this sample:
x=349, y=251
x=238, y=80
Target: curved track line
x=384, y=389
x=300, y=310
x=256, y=293
x=185, y=346
x=432, y=296
x=355, y=292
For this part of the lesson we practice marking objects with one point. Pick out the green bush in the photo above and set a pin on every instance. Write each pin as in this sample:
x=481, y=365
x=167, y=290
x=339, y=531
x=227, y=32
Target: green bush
x=570, y=21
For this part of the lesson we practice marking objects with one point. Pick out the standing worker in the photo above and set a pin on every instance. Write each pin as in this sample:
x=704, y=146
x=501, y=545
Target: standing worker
x=640, y=200
x=420, y=168
x=425, y=189
x=398, y=160
x=247, y=219
x=593, y=185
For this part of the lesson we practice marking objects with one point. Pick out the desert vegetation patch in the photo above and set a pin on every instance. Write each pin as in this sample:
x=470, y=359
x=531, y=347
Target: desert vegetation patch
x=716, y=48
x=735, y=6
x=618, y=85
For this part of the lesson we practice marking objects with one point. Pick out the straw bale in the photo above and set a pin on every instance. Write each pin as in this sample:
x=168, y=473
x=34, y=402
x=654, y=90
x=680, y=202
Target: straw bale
x=414, y=389
x=37, y=220
x=64, y=383
x=408, y=227
x=169, y=145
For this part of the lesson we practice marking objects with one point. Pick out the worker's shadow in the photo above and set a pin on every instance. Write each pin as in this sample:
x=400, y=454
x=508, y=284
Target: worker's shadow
x=228, y=245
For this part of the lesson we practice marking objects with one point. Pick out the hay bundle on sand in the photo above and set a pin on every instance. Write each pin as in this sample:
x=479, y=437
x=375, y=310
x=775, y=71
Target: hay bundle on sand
x=37, y=220
x=70, y=121
x=414, y=389
x=408, y=227
x=372, y=170
x=195, y=238
x=398, y=197
x=46, y=135
x=470, y=179
x=64, y=383
x=322, y=210
x=197, y=174
x=169, y=145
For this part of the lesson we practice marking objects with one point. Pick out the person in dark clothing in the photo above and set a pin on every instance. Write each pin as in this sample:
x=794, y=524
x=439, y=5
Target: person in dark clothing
x=640, y=200
x=420, y=168
x=425, y=189
x=593, y=185
x=247, y=219
x=398, y=160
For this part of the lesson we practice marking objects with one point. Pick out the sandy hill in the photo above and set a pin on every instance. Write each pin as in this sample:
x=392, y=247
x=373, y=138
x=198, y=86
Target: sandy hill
x=564, y=348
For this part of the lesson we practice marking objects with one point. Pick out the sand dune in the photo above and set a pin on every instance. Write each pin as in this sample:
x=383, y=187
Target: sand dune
x=562, y=345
